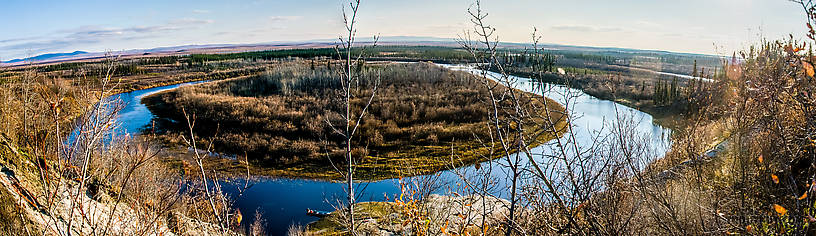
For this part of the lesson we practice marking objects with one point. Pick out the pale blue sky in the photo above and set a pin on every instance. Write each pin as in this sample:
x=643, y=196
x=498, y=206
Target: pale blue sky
x=32, y=27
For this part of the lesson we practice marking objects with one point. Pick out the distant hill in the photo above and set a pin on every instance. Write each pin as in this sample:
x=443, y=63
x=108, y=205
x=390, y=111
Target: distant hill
x=321, y=43
x=47, y=57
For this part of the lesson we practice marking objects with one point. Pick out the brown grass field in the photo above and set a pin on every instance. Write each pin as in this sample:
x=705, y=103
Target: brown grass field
x=422, y=115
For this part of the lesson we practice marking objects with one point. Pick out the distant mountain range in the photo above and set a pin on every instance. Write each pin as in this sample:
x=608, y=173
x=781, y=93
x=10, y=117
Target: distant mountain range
x=228, y=48
x=47, y=57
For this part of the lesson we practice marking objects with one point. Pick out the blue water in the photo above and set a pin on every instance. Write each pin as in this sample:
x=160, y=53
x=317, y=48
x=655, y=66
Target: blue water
x=135, y=116
x=283, y=202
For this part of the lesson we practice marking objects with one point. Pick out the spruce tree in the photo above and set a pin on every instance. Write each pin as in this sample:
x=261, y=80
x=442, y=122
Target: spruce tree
x=673, y=91
x=694, y=73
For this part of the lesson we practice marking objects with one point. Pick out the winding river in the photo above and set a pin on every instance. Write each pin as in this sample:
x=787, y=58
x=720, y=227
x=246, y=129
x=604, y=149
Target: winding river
x=283, y=201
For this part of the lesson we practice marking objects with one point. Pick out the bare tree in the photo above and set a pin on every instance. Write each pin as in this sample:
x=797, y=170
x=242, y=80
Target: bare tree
x=514, y=113
x=573, y=186
x=79, y=176
x=222, y=211
x=350, y=82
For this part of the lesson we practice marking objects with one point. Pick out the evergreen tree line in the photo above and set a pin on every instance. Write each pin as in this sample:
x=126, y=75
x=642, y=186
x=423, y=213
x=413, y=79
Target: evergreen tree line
x=673, y=93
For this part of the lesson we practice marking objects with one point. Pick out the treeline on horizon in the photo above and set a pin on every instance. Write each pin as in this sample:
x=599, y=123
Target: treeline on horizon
x=666, y=62
x=590, y=71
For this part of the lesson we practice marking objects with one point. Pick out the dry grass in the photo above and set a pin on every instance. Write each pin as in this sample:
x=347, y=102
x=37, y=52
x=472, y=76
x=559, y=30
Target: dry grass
x=420, y=115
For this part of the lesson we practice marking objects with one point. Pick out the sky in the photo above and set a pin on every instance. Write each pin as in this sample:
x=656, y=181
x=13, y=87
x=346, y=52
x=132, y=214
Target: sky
x=720, y=27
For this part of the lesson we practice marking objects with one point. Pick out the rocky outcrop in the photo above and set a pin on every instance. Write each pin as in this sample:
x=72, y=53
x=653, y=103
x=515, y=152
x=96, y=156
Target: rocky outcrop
x=438, y=214
x=95, y=214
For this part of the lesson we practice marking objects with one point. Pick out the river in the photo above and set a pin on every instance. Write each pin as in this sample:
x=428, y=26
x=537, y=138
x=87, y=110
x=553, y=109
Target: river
x=284, y=201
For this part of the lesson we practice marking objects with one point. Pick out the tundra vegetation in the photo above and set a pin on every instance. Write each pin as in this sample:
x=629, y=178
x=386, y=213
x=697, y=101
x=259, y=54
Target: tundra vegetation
x=741, y=160
x=64, y=173
x=279, y=118
x=741, y=163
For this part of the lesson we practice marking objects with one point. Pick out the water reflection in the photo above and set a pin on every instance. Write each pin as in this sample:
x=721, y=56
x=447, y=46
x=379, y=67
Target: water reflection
x=284, y=201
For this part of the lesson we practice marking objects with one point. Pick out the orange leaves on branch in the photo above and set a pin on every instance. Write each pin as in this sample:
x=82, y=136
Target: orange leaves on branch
x=775, y=178
x=445, y=228
x=760, y=159
x=780, y=210
x=238, y=216
x=804, y=195
x=792, y=49
x=808, y=68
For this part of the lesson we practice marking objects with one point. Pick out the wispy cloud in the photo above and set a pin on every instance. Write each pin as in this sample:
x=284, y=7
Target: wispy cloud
x=93, y=34
x=191, y=22
x=279, y=19
x=2, y=41
x=275, y=23
x=200, y=11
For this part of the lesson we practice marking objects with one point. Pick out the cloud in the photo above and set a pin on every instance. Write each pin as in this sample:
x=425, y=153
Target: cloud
x=586, y=29
x=37, y=46
x=2, y=41
x=94, y=34
x=191, y=21
x=199, y=11
x=102, y=33
x=279, y=19
x=274, y=23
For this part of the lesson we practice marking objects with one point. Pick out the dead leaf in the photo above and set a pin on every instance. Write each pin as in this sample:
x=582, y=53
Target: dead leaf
x=808, y=68
x=804, y=195
x=775, y=178
x=780, y=210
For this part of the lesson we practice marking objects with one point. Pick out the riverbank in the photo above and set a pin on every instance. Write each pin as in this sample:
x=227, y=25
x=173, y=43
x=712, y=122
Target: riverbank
x=435, y=215
x=421, y=116
x=631, y=91
x=282, y=201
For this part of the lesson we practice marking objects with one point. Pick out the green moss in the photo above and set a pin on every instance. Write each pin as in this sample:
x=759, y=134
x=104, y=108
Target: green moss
x=332, y=224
